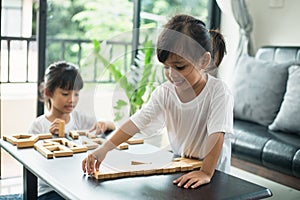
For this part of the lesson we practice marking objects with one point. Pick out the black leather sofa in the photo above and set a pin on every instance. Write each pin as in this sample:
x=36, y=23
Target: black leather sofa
x=273, y=155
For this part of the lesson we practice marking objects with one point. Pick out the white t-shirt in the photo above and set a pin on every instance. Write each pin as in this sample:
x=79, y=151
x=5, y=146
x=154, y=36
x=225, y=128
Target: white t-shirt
x=191, y=125
x=41, y=124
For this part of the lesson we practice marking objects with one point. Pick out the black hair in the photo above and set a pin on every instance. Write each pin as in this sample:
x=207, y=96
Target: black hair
x=188, y=37
x=62, y=75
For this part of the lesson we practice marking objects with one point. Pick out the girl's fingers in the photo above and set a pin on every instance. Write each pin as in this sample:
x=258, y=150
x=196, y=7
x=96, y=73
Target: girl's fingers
x=89, y=164
x=83, y=165
x=97, y=165
x=94, y=127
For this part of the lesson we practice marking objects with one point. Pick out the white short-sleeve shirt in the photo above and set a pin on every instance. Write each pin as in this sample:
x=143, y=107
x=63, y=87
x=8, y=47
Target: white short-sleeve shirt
x=190, y=124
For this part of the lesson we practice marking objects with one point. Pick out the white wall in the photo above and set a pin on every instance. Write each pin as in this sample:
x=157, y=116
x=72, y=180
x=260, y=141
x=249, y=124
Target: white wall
x=271, y=26
x=275, y=26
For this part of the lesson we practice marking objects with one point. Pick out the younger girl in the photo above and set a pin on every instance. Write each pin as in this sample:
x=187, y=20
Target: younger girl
x=195, y=107
x=63, y=83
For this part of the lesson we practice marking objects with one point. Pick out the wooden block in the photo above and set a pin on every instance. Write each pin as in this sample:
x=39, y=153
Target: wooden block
x=102, y=140
x=89, y=144
x=106, y=172
x=53, y=149
x=62, y=151
x=23, y=140
x=61, y=129
x=14, y=139
x=150, y=172
x=43, y=150
x=135, y=141
x=23, y=143
x=158, y=171
x=74, y=134
x=171, y=168
x=42, y=136
x=193, y=162
x=23, y=136
x=10, y=139
x=99, y=140
x=122, y=146
x=76, y=148
x=91, y=135
x=82, y=132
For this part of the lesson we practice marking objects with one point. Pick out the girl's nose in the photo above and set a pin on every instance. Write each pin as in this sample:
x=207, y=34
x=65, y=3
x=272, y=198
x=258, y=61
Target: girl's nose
x=173, y=73
x=70, y=99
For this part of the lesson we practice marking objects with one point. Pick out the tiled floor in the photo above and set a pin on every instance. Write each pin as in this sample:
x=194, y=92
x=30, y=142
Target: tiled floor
x=11, y=175
x=11, y=182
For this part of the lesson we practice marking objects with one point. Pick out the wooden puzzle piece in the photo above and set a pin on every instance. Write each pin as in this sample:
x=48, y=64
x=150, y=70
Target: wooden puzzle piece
x=26, y=140
x=76, y=148
x=145, y=168
x=89, y=143
x=50, y=150
x=76, y=133
x=61, y=129
x=135, y=141
x=122, y=146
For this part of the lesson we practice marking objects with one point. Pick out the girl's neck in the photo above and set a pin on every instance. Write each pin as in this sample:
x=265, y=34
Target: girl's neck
x=191, y=93
x=53, y=114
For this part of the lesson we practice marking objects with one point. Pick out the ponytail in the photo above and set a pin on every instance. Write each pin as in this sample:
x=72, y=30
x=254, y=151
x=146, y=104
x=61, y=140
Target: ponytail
x=219, y=47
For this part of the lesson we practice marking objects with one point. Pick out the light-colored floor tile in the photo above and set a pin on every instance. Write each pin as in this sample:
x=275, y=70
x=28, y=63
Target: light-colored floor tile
x=280, y=192
x=11, y=186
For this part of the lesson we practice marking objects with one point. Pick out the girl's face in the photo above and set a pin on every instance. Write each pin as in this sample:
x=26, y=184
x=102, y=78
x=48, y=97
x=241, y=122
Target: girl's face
x=64, y=101
x=181, y=73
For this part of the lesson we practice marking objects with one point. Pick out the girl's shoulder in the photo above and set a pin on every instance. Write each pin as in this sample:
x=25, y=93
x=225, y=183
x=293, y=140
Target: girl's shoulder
x=165, y=87
x=165, y=90
x=217, y=86
x=40, y=119
x=216, y=83
x=39, y=125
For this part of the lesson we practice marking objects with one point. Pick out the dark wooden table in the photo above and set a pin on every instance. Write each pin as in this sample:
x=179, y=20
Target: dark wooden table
x=66, y=177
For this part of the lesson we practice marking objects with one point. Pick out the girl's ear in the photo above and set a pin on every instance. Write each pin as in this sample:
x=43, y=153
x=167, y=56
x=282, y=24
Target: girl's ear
x=47, y=92
x=205, y=60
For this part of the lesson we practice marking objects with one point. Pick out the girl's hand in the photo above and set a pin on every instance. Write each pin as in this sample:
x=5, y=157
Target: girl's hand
x=92, y=162
x=102, y=127
x=192, y=179
x=54, y=127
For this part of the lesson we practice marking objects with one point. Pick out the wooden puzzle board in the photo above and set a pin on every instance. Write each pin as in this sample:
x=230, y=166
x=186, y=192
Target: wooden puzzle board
x=119, y=164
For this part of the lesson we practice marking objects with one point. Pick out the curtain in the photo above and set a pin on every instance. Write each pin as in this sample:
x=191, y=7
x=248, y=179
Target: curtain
x=244, y=20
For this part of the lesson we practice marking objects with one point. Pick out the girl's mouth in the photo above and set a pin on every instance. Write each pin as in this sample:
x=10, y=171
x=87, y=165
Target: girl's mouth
x=178, y=82
x=71, y=107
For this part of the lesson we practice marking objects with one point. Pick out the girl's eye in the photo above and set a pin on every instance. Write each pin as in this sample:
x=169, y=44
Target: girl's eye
x=180, y=68
x=166, y=67
x=65, y=94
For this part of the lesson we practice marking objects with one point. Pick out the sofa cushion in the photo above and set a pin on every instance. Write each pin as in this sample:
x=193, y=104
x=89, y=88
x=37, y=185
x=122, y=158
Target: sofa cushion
x=296, y=164
x=258, y=89
x=255, y=143
x=279, y=156
x=249, y=141
x=288, y=118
